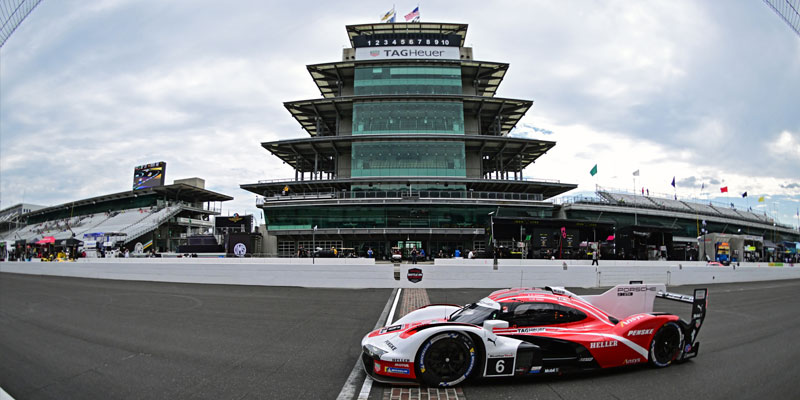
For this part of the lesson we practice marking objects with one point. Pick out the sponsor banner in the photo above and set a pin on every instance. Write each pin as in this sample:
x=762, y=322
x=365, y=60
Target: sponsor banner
x=407, y=52
x=414, y=275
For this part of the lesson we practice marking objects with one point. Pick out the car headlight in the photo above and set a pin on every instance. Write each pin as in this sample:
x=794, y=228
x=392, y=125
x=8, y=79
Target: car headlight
x=374, y=351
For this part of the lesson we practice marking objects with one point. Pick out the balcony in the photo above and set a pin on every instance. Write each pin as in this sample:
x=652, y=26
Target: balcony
x=392, y=196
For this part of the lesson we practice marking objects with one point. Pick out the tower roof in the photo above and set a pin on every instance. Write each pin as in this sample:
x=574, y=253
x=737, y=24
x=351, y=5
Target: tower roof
x=405, y=27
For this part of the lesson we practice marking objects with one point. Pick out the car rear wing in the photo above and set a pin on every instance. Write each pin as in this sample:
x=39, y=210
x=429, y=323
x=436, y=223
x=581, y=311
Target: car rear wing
x=622, y=301
x=699, y=304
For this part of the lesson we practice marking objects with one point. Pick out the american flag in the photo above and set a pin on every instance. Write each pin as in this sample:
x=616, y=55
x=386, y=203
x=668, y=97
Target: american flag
x=413, y=16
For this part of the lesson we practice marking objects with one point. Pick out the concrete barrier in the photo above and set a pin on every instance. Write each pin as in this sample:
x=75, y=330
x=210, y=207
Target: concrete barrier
x=364, y=273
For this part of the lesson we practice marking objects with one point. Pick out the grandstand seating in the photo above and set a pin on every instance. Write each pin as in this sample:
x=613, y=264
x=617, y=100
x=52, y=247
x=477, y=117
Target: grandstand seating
x=628, y=199
x=132, y=223
x=150, y=222
x=671, y=204
x=728, y=212
x=702, y=208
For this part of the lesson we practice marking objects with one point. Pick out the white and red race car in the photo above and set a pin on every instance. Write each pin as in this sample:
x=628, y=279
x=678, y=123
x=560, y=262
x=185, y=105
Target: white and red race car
x=515, y=332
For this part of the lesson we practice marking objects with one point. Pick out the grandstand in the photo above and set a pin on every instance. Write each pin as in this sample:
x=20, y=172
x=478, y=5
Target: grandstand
x=647, y=227
x=661, y=203
x=162, y=217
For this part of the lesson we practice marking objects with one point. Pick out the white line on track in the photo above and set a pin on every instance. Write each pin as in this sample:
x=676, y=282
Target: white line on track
x=349, y=389
x=390, y=318
x=4, y=395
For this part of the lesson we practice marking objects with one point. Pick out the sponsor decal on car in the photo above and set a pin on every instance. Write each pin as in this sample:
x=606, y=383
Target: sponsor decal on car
x=530, y=330
x=605, y=344
x=391, y=328
x=586, y=359
x=550, y=370
x=391, y=346
x=414, y=275
x=632, y=319
x=392, y=370
x=640, y=332
x=400, y=360
x=636, y=289
x=633, y=361
x=535, y=370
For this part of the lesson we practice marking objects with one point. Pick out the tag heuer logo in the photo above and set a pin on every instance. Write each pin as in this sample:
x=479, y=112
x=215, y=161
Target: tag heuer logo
x=239, y=249
x=414, y=275
x=374, y=53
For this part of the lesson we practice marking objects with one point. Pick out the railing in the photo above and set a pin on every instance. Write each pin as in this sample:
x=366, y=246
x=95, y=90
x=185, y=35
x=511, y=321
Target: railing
x=403, y=194
x=290, y=180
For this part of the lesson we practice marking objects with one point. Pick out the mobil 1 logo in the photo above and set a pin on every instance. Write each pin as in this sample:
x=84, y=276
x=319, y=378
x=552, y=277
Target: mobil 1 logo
x=500, y=366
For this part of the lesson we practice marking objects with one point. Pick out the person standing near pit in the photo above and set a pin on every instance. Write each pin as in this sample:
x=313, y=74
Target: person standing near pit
x=595, y=256
x=414, y=255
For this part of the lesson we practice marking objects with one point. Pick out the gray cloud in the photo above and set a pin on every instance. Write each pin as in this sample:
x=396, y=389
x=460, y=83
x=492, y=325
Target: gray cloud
x=200, y=85
x=528, y=130
x=791, y=186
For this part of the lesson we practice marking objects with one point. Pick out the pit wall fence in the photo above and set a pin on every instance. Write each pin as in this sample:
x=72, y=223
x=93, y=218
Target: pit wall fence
x=365, y=273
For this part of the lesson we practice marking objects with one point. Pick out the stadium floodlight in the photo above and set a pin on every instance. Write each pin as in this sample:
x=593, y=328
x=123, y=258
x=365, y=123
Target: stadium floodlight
x=12, y=13
x=789, y=11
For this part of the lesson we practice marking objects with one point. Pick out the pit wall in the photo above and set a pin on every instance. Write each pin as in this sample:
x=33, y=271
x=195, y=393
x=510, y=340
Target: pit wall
x=364, y=273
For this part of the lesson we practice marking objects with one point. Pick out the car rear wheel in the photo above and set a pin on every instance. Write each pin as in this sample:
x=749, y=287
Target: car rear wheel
x=666, y=345
x=446, y=359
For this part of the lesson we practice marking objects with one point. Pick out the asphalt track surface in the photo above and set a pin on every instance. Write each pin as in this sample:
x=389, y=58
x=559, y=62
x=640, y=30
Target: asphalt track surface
x=96, y=339
x=68, y=338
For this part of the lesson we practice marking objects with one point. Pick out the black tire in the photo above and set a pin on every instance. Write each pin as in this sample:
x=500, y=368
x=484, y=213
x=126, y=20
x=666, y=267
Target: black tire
x=666, y=345
x=446, y=359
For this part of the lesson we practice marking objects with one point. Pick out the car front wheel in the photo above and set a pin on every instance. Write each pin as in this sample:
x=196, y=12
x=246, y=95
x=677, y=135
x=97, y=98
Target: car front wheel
x=446, y=359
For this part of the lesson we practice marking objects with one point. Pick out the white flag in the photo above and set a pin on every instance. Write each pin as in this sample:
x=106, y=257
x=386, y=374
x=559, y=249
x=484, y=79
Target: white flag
x=636, y=173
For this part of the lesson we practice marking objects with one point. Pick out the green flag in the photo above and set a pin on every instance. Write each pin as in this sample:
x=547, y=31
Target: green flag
x=594, y=170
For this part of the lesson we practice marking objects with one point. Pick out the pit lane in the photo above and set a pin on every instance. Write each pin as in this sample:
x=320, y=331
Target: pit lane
x=72, y=338
x=98, y=339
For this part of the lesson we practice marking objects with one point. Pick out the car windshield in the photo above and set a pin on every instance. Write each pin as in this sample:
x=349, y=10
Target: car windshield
x=473, y=314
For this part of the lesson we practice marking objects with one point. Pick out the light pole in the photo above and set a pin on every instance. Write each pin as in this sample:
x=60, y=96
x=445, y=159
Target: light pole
x=314, y=245
x=494, y=240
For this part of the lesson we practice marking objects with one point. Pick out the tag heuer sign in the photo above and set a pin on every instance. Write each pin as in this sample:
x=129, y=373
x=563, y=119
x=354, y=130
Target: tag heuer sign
x=408, y=52
x=414, y=275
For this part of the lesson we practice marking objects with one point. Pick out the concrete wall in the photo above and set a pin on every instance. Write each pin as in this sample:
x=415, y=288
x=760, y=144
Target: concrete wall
x=363, y=273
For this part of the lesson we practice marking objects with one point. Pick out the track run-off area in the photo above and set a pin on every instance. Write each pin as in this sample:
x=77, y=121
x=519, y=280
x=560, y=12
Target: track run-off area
x=82, y=338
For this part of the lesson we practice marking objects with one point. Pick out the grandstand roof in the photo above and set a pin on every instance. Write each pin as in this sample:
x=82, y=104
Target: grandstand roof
x=178, y=191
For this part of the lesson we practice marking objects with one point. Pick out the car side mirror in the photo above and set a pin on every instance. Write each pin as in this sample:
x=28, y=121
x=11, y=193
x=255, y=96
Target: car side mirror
x=491, y=324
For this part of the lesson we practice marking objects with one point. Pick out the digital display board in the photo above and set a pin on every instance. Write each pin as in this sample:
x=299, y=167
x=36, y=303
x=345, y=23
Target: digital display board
x=406, y=39
x=149, y=175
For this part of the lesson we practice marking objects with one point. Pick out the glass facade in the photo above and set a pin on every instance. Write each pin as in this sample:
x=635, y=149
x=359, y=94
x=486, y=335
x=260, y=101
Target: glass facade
x=408, y=158
x=407, y=80
x=408, y=117
x=424, y=216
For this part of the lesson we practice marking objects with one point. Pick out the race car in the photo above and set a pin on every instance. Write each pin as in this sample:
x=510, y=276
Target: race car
x=528, y=331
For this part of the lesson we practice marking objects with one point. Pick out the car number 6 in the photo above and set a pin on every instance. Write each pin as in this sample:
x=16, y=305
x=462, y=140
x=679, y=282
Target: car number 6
x=500, y=366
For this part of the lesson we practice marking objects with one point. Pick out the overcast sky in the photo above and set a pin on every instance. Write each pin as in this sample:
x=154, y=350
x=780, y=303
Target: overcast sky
x=704, y=91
